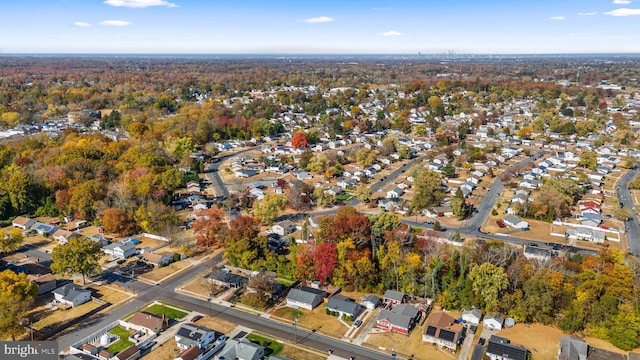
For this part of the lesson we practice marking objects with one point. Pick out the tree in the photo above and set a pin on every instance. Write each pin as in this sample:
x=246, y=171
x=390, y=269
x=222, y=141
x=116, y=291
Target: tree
x=78, y=256
x=10, y=241
x=363, y=193
x=118, y=221
x=489, y=281
x=209, y=227
x=268, y=208
x=299, y=140
x=588, y=159
x=16, y=296
x=448, y=170
x=428, y=191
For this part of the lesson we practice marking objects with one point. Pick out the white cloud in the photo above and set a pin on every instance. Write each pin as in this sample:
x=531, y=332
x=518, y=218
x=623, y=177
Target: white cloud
x=391, y=33
x=115, y=23
x=587, y=13
x=623, y=12
x=81, y=24
x=557, y=18
x=317, y=20
x=139, y=3
x=622, y=2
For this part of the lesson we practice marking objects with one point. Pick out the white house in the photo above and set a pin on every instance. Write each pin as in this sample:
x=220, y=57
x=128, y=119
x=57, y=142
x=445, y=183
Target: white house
x=493, y=322
x=396, y=192
x=72, y=295
x=120, y=250
x=516, y=222
x=472, y=316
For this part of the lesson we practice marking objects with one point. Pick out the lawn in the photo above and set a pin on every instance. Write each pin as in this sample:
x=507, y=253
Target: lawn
x=170, y=312
x=216, y=324
x=407, y=346
x=272, y=347
x=165, y=351
x=316, y=320
x=299, y=354
x=48, y=318
x=121, y=344
x=111, y=293
x=158, y=274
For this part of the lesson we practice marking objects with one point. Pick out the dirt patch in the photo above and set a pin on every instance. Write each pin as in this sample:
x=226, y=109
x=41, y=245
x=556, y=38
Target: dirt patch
x=45, y=317
x=541, y=340
x=165, y=351
x=199, y=286
x=111, y=293
x=407, y=346
x=216, y=324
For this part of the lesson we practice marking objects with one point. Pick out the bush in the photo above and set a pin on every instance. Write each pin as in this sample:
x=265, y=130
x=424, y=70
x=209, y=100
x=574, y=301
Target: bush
x=501, y=224
x=494, y=212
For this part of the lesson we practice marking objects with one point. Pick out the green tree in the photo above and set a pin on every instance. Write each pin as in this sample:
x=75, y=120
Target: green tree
x=588, y=159
x=16, y=296
x=428, y=191
x=448, y=170
x=489, y=281
x=268, y=208
x=78, y=256
x=10, y=241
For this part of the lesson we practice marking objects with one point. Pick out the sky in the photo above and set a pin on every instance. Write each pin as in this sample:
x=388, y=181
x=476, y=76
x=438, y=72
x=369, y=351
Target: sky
x=319, y=27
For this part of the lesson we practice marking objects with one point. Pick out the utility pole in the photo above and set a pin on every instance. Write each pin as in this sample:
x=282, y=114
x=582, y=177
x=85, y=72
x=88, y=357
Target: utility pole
x=209, y=301
x=295, y=330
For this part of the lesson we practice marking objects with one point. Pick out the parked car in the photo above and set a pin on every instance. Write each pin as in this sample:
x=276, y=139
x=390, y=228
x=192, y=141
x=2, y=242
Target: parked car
x=481, y=341
x=358, y=323
x=196, y=318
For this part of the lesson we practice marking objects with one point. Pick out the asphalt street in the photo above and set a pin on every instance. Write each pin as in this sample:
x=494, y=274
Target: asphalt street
x=632, y=228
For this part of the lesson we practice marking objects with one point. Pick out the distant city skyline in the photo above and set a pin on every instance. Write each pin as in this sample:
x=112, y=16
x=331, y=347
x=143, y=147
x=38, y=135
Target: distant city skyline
x=320, y=27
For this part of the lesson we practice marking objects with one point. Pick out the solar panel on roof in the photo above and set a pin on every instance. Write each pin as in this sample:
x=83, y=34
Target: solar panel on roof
x=431, y=330
x=447, y=335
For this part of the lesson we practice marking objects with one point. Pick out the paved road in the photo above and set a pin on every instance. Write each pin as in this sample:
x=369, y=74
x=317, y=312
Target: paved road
x=147, y=293
x=631, y=225
x=213, y=175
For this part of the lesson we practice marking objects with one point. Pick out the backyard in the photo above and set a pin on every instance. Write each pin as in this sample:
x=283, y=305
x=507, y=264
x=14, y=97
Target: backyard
x=407, y=346
x=121, y=344
x=316, y=320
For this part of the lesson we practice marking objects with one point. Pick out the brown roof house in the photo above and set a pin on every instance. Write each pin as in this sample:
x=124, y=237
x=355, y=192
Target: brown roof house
x=442, y=330
x=23, y=222
x=45, y=282
x=146, y=322
x=157, y=260
x=130, y=353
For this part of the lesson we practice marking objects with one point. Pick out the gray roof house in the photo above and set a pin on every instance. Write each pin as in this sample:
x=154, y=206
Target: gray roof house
x=371, y=302
x=71, y=294
x=304, y=299
x=120, y=250
x=394, y=297
x=472, y=316
x=344, y=306
x=241, y=349
x=224, y=277
x=572, y=348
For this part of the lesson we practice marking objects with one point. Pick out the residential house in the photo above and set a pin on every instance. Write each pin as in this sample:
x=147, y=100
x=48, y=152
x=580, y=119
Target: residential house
x=146, y=322
x=500, y=348
x=344, y=306
x=23, y=222
x=587, y=234
x=193, y=187
x=303, y=175
x=371, y=302
x=493, y=322
x=472, y=316
x=396, y=192
x=71, y=295
x=394, y=297
x=516, y=222
x=225, y=278
x=333, y=190
x=572, y=348
x=192, y=353
x=130, y=353
x=241, y=349
x=121, y=250
x=402, y=318
x=346, y=183
x=192, y=335
x=44, y=229
x=535, y=252
x=157, y=260
x=284, y=227
x=306, y=299
x=442, y=330
x=63, y=236
x=45, y=283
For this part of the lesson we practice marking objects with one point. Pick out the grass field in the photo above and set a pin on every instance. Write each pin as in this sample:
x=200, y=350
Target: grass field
x=165, y=351
x=542, y=341
x=169, y=312
x=121, y=344
x=48, y=318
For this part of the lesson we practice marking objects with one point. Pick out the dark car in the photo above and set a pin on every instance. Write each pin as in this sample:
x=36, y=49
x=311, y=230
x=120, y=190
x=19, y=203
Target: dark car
x=481, y=341
x=196, y=318
x=358, y=323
